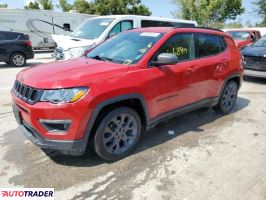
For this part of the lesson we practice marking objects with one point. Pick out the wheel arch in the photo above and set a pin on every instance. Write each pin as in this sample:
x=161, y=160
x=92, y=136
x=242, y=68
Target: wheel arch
x=135, y=101
x=11, y=53
x=235, y=77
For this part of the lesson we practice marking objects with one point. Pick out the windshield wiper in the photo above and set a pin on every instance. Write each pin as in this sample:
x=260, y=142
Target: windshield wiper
x=101, y=58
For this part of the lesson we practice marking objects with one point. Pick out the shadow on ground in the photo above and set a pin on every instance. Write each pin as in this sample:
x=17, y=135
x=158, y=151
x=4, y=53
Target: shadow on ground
x=249, y=79
x=182, y=124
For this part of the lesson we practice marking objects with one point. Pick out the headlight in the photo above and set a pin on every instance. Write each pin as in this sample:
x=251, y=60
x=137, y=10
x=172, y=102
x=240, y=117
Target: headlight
x=76, y=52
x=64, y=95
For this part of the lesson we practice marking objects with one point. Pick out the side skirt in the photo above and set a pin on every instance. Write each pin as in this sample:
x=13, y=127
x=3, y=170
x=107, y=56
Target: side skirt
x=210, y=102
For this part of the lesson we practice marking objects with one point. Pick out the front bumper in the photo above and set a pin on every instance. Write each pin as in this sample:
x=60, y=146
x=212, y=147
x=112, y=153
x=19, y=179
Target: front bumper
x=255, y=73
x=76, y=147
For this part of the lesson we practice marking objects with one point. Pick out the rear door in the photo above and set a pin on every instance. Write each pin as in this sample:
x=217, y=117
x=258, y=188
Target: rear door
x=211, y=65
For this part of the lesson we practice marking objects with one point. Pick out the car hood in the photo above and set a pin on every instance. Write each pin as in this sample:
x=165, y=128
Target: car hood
x=68, y=42
x=254, y=51
x=69, y=73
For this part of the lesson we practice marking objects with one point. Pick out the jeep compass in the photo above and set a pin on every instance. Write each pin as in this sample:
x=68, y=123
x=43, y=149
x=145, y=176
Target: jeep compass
x=125, y=86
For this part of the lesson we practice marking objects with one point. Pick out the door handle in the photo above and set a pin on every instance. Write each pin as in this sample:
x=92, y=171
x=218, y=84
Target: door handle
x=192, y=68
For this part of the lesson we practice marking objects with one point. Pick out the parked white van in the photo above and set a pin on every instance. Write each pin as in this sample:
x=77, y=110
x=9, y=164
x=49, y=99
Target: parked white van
x=40, y=24
x=96, y=30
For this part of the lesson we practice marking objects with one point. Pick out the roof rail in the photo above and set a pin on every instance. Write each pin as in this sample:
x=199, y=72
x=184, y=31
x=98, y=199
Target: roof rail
x=202, y=27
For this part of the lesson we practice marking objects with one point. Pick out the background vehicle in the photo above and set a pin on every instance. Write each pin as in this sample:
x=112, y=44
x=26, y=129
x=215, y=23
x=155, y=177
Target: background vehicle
x=40, y=24
x=125, y=85
x=15, y=48
x=255, y=59
x=94, y=31
x=245, y=37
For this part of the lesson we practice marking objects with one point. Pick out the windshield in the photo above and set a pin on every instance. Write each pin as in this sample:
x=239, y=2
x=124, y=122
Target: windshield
x=260, y=43
x=125, y=48
x=239, y=35
x=92, y=28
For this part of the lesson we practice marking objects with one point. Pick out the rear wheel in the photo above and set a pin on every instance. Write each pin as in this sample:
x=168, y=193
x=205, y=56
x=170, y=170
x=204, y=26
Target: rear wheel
x=117, y=134
x=228, y=98
x=17, y=59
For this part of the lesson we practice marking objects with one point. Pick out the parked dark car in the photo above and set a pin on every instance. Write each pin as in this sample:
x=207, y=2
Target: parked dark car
x=15, y=48
x=254, y=59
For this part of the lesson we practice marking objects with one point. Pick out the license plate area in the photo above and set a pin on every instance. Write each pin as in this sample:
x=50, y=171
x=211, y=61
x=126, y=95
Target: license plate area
x=17, y=114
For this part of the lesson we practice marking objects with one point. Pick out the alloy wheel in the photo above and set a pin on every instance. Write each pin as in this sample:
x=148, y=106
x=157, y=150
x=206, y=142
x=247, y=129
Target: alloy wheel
x=120, y=133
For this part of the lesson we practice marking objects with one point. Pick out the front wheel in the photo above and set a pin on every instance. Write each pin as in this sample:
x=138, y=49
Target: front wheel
x=227, y=99
x=117, y=134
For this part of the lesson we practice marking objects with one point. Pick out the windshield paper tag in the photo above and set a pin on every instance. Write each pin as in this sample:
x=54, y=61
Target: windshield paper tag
x=149, y=34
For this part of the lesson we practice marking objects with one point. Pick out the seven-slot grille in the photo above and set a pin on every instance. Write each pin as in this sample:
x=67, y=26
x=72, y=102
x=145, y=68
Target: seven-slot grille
x=26, y=93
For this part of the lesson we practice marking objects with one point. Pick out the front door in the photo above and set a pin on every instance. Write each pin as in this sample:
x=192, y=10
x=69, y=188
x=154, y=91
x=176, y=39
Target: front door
x=171, y=86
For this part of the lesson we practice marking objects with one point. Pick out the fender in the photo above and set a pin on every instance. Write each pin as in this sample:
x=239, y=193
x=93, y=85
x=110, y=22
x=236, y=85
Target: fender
x=100, y=106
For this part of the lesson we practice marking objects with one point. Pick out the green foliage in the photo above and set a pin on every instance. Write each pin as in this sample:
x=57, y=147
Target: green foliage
x=3, y=5
x=261, y=9
x=233, y=25
x=33, y=5
x=107, y=7
x=46, y=4
x=65, y=5
x=208, y=12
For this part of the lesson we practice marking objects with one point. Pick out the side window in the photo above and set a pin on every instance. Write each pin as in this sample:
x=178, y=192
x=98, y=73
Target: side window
x=150, y=23
x=116, y=29
x=122, y=26
x=126, y=25
x=223, y=44
x=206, y=45
x=182, y=45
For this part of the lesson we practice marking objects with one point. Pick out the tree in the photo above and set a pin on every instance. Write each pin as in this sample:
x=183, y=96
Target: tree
x=3, y=5
x=65, y=5
x=107, y=7
x=208, y=12
x=33, y=5
x=115, y=7
x=261, y=9
x=46, y=4
x=232, y=25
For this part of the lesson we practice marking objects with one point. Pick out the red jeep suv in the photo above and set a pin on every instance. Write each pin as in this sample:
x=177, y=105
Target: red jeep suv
x=124, y=86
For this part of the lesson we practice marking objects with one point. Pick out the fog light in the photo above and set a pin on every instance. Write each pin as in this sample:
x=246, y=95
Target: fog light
x=55, y=126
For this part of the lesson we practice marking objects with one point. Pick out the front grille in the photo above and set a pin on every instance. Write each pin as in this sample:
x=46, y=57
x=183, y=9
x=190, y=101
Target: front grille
x=255, y=63
x=26, y=93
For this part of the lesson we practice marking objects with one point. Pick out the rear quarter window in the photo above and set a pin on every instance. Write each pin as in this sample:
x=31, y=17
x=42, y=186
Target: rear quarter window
x=206, y=45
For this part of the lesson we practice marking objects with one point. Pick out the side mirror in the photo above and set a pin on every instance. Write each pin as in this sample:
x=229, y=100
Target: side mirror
x=66, y=27
x=165, y=59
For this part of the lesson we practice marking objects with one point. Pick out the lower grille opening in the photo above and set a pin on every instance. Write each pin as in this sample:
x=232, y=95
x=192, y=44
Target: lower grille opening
x=56, y=126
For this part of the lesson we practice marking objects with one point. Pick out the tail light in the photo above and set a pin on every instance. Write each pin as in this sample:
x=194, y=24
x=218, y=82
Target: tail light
x=27, y=43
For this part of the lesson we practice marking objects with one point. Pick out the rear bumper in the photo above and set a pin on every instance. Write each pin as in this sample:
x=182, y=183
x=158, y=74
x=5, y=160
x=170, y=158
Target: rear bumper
x=254, y=73
x=76, y=147
x=29, y=55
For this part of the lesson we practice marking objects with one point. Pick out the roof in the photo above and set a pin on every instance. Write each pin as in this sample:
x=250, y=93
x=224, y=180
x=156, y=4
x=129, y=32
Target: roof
x=180, y=29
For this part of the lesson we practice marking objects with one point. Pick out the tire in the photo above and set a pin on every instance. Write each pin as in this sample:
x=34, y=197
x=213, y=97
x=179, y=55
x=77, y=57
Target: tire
x=117, y=134
x=227, y=99
x=17, y=59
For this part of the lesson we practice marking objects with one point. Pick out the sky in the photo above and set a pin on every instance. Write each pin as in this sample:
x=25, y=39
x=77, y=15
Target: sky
x=161, y=8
